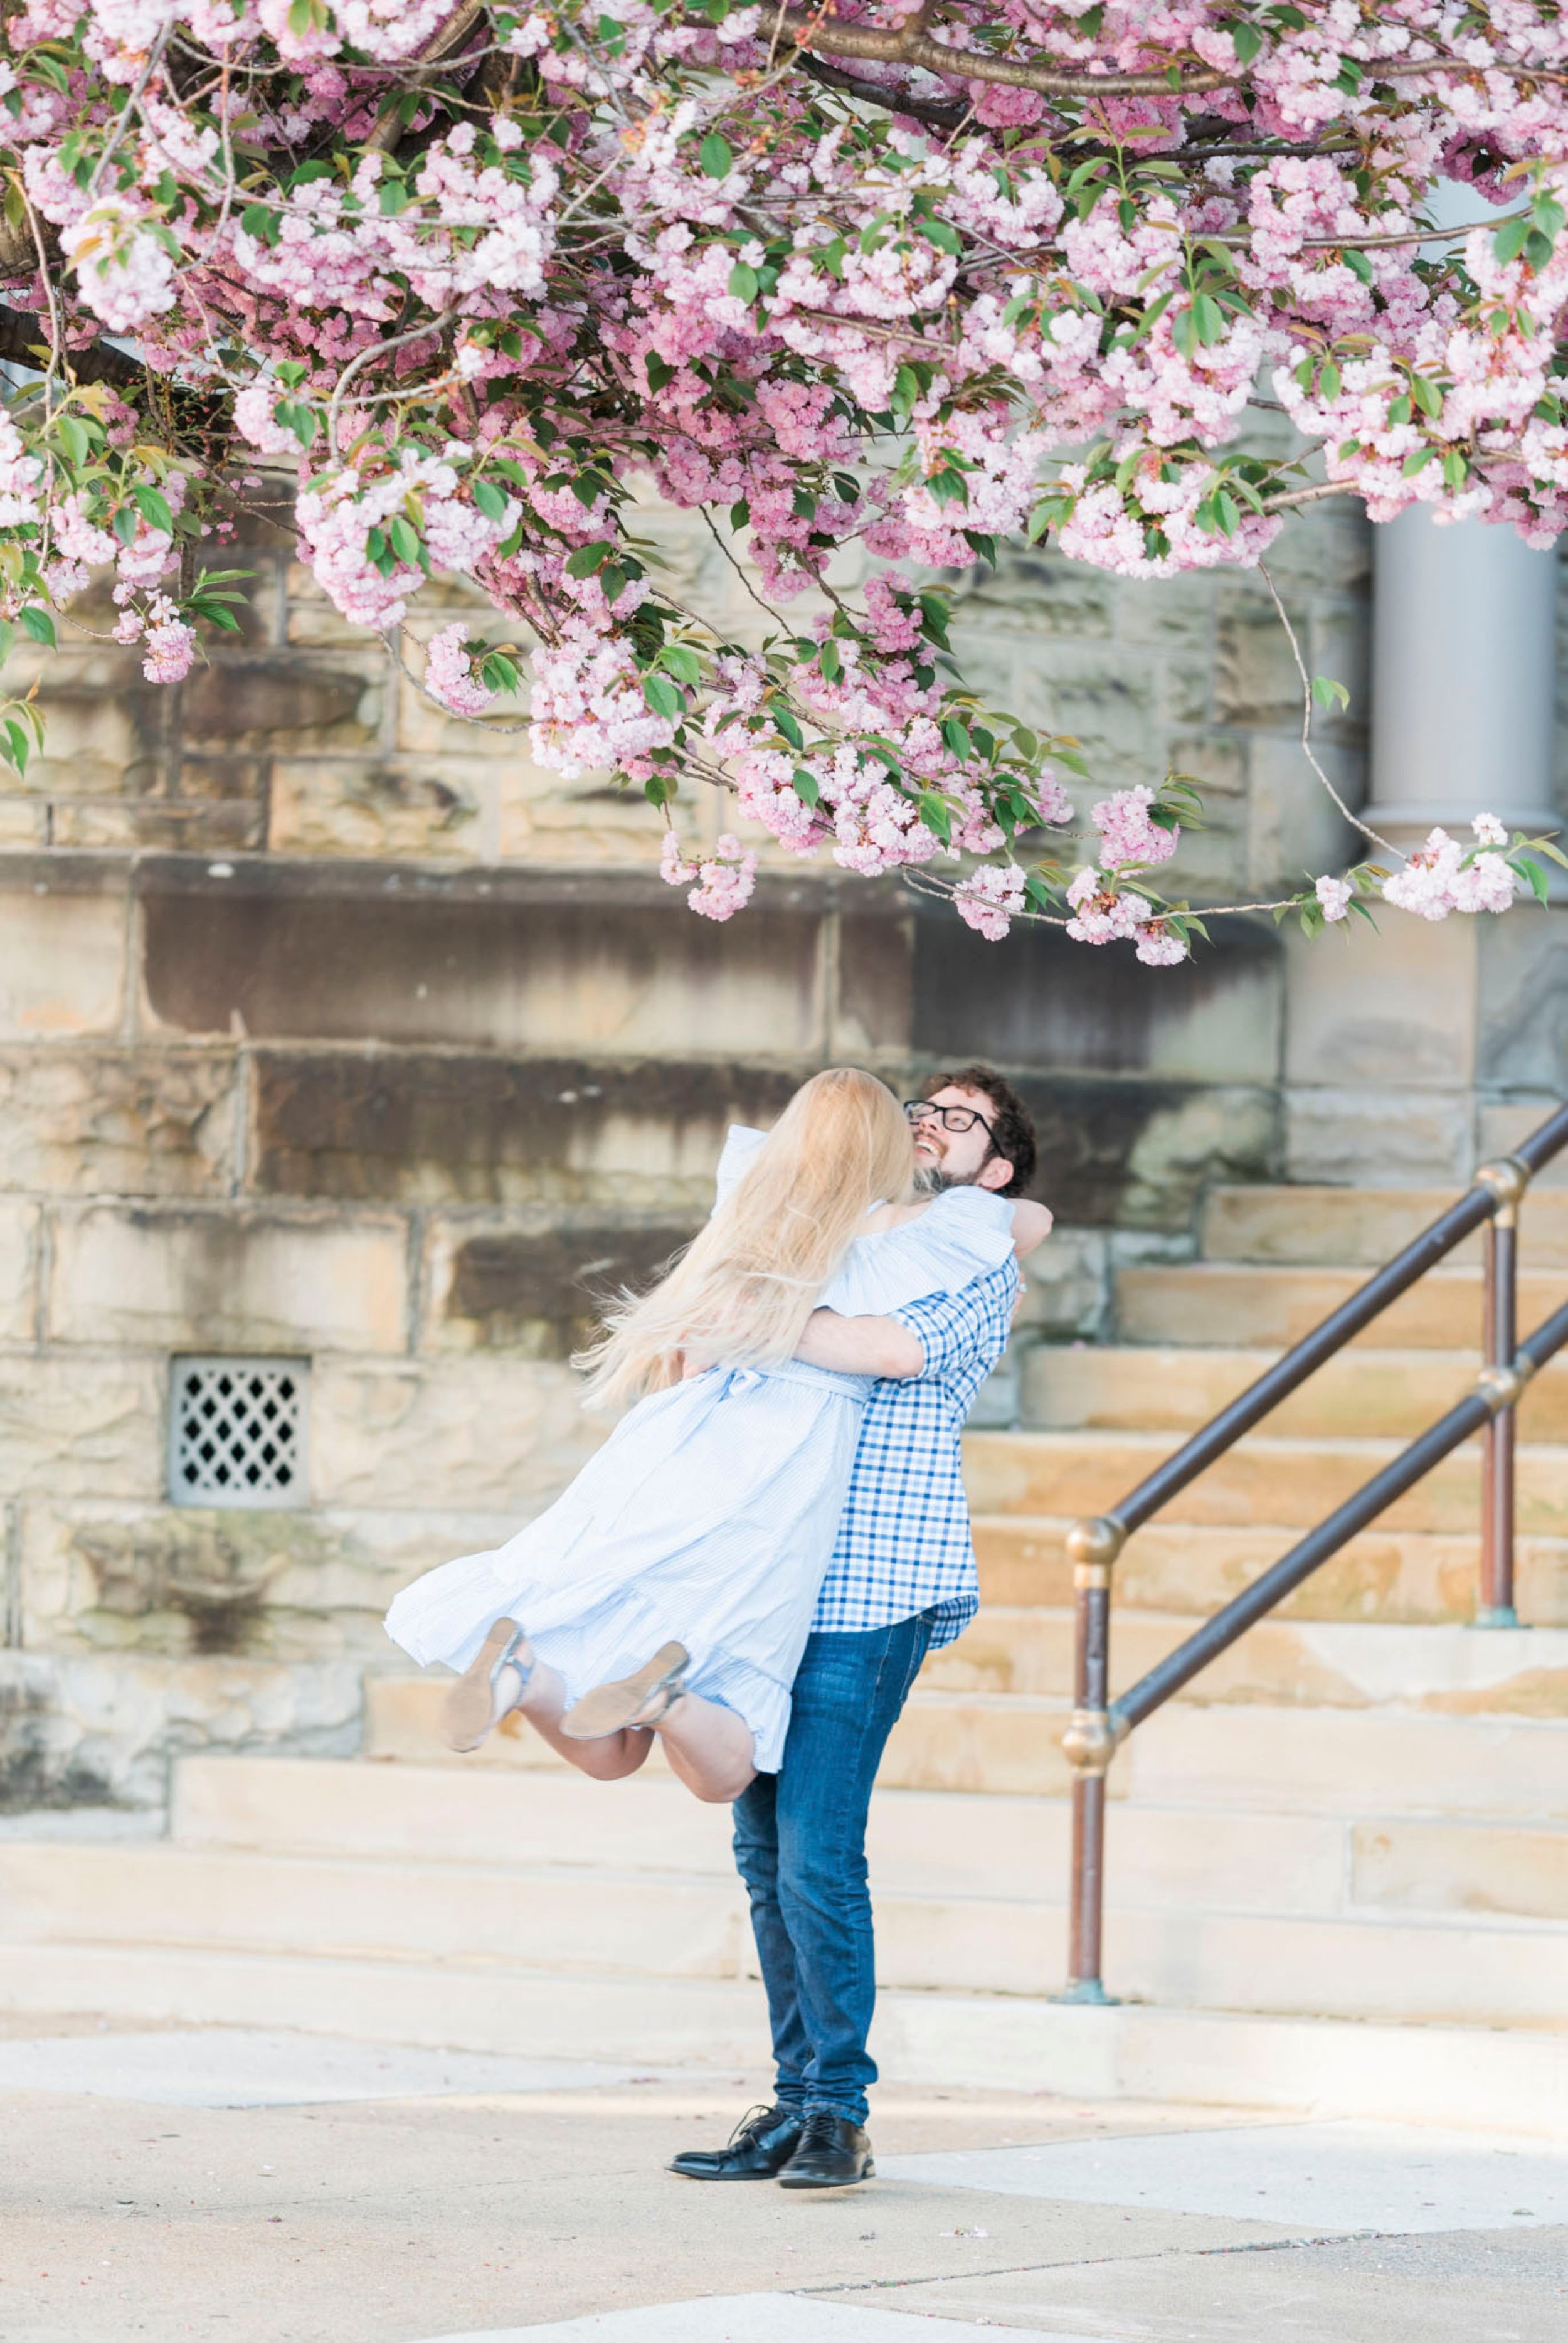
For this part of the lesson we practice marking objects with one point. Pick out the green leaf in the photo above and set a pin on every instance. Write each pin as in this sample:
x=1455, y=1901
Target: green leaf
x=39, y=624
x=489, y=500
x=1510, y=239
x=657, y=370
x=18, y=748
x=828, y=661
x=74, y=439
x=717, y=158
x=955, y=732
x=806, y=787
x=665, y=698
x=740, y=513
x=589, y=559
x=784, y=718
x=1359, y=266
x=1246, y=39
x=681, y=661
x=743, y=283
x=404, y=538
x=124, y=525
x=1328, y=693
x=153, y=509
x=936, y=816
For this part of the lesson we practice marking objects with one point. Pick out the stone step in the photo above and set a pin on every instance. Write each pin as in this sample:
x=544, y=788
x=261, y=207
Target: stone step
x=1009, y=1746
x=1385, y=1395
x=1245, y=1305
x=1360, y=1764
x=1363, y=1964
x=1064, y=1475
x=1381, y=1761
x=1465, y=2075
x=921, y=1844
x=1361, y=1226
x=1282, y=1662
x=1389, y=1576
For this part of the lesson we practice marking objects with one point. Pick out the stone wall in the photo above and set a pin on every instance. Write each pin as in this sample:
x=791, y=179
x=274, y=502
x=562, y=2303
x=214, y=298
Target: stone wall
x=333, y=1030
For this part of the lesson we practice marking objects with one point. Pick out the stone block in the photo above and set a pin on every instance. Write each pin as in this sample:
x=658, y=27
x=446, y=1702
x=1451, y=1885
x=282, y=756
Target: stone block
x=261, y=1585
x=468, y=1435
x=285, y=704
x=105, y=729
x=19, y=1225
x=214, y=780
x=580, y=967
x=1066, y=1284
x=1377, y=1138
x=129, y=1122
x=1036, y=592
x=427, y=808
x=1108, y=702
x=105, y=1729
x=427, y=731
x=1255, y=677
x=1502, y=1126
x=24, y=822
x=1295, y=831
x=873, y=1005
x=87, y=1425
x=62, y=963
x=537, y=1290
x=1396, y=1007
x=591, y=821
x=642, y=1135
x=172, y=828
x=1037, y=999
x=199, y=1278
x=1154, y=613
x=1187, y=1145
x=1522, y=1039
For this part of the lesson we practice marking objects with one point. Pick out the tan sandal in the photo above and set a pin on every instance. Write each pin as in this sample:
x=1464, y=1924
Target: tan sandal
x=469, y=1712
x=633, y=1700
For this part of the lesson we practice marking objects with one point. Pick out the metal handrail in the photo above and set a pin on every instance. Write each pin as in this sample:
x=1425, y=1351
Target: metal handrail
x=1097, y=1725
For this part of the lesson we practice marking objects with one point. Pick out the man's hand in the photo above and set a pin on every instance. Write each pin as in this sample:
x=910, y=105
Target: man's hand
x=1031, y=1224
x=861, y=1346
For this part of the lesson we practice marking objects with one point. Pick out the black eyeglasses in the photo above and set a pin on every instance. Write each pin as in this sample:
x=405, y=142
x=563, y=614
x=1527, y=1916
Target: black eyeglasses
x=956, y=1119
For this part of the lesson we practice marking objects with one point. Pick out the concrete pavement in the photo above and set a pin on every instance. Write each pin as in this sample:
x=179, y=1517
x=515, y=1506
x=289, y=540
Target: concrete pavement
x=220, y=2183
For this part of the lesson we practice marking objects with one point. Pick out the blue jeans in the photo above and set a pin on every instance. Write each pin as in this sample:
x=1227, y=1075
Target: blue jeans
x=800, y=1848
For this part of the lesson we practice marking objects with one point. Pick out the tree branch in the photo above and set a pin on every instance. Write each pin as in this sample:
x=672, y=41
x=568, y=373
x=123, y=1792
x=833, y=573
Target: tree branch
x=21, y=339
x=815, y=33
x=929, y=110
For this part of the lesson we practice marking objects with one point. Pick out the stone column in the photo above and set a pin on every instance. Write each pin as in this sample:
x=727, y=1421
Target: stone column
x=1462, y=679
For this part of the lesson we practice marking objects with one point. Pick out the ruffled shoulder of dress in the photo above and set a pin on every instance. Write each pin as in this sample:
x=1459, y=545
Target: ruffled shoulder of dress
x=741, y=1146
x=963, y=1234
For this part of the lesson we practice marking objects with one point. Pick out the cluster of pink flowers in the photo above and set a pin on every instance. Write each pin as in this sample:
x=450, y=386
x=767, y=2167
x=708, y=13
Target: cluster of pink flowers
x=449, y=672
x=1444, y=876
x=725, y=877
x=631, y=243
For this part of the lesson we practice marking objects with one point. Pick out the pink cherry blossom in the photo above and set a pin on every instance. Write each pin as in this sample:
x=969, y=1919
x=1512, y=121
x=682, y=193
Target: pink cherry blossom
x=1335, y=896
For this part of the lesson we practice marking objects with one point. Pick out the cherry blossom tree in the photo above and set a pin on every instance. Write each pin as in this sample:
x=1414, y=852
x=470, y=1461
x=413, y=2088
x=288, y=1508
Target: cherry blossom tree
x=913, y=276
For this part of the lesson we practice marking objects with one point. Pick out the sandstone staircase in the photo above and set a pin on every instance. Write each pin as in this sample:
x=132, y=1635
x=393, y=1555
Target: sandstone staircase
x=1337, y=1867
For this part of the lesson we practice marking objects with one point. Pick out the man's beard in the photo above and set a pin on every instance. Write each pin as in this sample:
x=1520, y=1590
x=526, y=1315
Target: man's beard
x=931, y=1180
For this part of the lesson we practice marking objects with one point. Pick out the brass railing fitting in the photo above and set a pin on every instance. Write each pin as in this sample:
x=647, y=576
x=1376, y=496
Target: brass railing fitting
x=1092, y=1546
x=1508, y=1178
x=1092, y=1739
x=1502, y=1387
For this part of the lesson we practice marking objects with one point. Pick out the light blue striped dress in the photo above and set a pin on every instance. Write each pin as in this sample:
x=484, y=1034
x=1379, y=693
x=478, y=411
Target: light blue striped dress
x=708, y=1516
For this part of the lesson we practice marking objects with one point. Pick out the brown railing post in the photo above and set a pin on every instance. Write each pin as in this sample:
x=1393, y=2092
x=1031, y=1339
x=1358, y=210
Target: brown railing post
x=1508, y=1180
x=1089, y=1741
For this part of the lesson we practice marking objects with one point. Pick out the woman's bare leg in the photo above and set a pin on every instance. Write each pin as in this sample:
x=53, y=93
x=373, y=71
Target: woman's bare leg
x=608, y=1759
x=708, y=1747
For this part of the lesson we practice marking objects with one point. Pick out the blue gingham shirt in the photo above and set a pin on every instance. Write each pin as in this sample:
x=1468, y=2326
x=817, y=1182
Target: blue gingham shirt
x=904, y=1542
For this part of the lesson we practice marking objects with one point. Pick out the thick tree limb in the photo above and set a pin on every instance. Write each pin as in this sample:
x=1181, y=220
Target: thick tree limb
x=811, y=30
x=929, y=110
x=22, y=336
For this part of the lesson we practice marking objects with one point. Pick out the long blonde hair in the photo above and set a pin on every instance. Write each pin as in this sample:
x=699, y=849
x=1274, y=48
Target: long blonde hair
x=744, y=1287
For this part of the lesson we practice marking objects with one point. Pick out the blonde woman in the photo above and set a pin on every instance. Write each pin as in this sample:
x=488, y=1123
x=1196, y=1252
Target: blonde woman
x=671, y=1590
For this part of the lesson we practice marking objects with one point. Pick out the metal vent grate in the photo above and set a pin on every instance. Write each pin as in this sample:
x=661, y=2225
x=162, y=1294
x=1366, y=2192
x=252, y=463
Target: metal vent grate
x=236, y=1431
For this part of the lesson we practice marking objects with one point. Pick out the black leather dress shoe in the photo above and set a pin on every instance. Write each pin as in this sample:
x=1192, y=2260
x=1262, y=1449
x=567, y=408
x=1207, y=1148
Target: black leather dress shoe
x=760, y=2146
x=831, y=2153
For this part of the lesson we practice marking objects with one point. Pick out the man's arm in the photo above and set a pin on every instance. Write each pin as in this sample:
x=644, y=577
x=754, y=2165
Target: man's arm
x=861, y=1346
